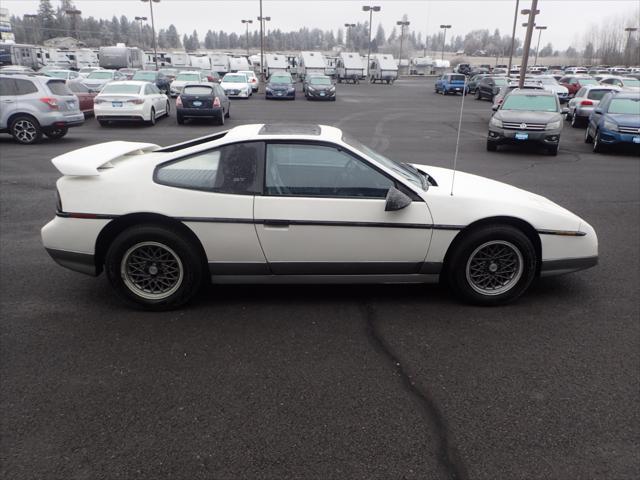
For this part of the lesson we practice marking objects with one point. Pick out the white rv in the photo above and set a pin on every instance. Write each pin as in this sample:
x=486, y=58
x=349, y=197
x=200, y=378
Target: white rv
x=349, y=67
x=19, y=54
x=86, y=58
x=275, y=62
x=383, y=68
x=239, y=64
x=330, y=67
x=421, y=66
x=178, y=59
x=220, y=63
x=311, y=62
x=150, y=62
x=121, y=56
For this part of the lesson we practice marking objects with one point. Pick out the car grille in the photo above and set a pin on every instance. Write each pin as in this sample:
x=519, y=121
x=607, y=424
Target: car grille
x=232, y=92
x=634, y=130
x=523, y=126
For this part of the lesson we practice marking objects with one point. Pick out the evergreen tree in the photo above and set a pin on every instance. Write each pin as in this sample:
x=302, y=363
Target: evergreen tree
x=46, y=17
x=380, y=36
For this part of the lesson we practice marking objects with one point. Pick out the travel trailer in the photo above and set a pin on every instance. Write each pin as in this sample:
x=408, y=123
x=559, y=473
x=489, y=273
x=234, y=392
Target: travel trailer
x=311, y=62
x=383, y=68
x=349, y=67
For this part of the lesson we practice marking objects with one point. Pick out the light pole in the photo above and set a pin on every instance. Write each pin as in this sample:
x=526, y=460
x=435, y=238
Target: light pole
x=444, y=38
x=349, y=26
x=539, y=28
x=532, y=12
x=513, y=38
x=630, y=30
x=153, y=30
x=402, y=25
x=73, y=13
x=262, y=19
x=140, y=20
x=34, y=17
x=370, y=9
x=247, y=22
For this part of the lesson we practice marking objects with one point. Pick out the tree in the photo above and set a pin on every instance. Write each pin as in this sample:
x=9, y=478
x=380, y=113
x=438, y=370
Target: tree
x=340, y=37
x=173, y=39
x=46, y=17
x=588, y=53
x=380, y=36
x=547, y=51
x=209, y=40
x=393, y=36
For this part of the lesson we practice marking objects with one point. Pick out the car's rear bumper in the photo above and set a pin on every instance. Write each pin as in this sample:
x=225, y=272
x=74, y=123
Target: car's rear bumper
x=60, y=120
x=199, y=112
x=508, y=137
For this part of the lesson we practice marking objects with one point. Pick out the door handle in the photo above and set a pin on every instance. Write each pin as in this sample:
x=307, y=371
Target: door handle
x=8, y=101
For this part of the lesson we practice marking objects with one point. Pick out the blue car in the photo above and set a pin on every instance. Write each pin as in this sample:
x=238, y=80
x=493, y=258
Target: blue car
x=280, y=85
x=451, y=83
x=616, y=121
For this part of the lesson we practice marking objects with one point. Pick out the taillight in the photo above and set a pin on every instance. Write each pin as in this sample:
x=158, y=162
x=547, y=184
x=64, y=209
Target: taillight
x=216, y=102
x=586, y=102
x=179, y=102
x=52, y=102
x=58, y=202
x=97, y=100
x=136, y=101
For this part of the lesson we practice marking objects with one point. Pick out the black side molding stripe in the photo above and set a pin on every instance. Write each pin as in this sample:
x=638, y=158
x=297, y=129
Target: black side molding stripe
x=566, y=233
x=569, y=264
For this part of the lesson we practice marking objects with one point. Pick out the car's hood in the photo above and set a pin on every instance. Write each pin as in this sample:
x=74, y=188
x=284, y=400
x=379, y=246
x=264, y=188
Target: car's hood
x=626, y=119
x=526, y=116
x=556, y=88
x=321, y=87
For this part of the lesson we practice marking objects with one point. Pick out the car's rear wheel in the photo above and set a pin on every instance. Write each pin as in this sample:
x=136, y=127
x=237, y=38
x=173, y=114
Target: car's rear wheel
x=478, y=96
x=179, y=119
x=25, y=130
x=220, y=119
x=154, y=267
x=492, y=265
x=167, y=109
x=152, y=117
x=576, y=122
x=57, y=132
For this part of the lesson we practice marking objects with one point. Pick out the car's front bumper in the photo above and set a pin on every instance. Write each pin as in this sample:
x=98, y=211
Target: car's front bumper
x=321, y=95
x=609, y=137
x=500, y=136
x=280, y=94
x=566, y=265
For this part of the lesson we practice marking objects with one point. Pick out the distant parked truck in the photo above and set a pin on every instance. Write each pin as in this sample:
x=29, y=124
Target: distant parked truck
x=200, y=61
x=383, y=68
x=18, y=54
x=220, y=63
x=239, y=64
x=86, y=58
x=275, y=62
x=310, y=62
x=349, y=67
x=178, y=60
x=121, y=56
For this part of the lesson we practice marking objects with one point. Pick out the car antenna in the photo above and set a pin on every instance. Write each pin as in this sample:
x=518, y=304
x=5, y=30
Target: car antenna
x=455, y=155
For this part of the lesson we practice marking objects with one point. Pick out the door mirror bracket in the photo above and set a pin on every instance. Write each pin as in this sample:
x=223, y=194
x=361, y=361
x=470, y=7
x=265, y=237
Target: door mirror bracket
x=396, y=200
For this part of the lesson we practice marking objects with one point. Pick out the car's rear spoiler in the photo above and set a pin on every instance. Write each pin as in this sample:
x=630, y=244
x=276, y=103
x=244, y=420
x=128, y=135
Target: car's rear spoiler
x=87, y=160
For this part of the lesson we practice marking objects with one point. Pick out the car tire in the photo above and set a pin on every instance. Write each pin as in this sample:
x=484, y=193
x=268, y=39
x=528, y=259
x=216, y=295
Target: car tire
x=597, y=144
x=25, y=130
x=57, y=133
x=553, y=151
x=576, y=122
x=180, y=119
x=478, y=96
x=152, y=117
x=220, y=119
x=587, y=136
x=228, y=113
x=491, y=265
x=492, y=147
x=165, y=254
x=167, y=109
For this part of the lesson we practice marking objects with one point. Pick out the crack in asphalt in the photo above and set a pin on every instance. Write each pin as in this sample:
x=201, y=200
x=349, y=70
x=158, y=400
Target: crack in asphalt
x=448, y=456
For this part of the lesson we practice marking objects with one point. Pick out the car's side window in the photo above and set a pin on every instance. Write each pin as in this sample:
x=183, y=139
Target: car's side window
x=581, y=92
x=25, y=87
x=8, y=87
x=235, y=168
x=321, y=171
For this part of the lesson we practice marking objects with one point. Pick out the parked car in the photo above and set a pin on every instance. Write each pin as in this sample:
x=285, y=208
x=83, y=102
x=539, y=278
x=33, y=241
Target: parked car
x=615, y=122
x=34, y=105
x=280, y=85
x=320, y=87
x=187, y=76
x=16, y=69
x=623, y=82
x=463, y=68
x=504, y=91
x=307, y=78
x=203, y=100
x=99, y=78
x=451, y=83
x=157, y=78
x=474, y=80
x=488, y=87
x=130, y=100
x=527, y=117
x=85, y=96
x=128, y=72
x=63, y=74
x=301, y=203
x=253, y=79
x=236, y=85
x=550, y=84
x=575, y=70
x=582, y=104
x=576, y=82
x=85, y=71
x=212, y=76
x=170, y=73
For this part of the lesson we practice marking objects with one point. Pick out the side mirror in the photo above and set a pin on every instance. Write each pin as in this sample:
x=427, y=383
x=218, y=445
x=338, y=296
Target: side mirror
x=396, y=200
x=598, y=110
x=565, y=110
x=494, y=108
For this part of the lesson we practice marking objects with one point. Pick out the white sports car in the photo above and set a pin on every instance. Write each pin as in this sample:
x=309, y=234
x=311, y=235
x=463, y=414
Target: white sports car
x=295, y=204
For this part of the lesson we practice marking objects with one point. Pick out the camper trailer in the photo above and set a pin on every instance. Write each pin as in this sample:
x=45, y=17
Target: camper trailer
x=421, y=66
x=275, y=62
x=349, y=67
x=18, y=54
x=220, y=63
x=383, y=68
x=121, y=56
x=292, y=60
x=239, y=64
x=310, y=62
x=178, y=60
x=86, y=58
x=330, y=67
x=200, y=61
x=150, y=60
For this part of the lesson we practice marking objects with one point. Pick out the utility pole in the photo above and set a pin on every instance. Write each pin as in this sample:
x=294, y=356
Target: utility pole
x=539, y=28
x=402, y=25
x=370, y=9
x=527, y=40
x=513, y=37
x=153, y=30
x=349, y=26
x=261, y=44
x=630, y=30
x=140, y=20
x=247, y=22
x=444, y=38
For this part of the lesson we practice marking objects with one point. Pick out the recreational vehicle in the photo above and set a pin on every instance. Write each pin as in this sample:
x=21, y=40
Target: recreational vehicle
x=200, y=61
x=220, y=63
x=349, y=67
x=330, y=66
x=178, y=59
x=86, y=58
x=421, y=66
x=121, y=56
x=239, y=64
x=275, y=62
x=311, y=62
x=18, y=54
x=383, y=68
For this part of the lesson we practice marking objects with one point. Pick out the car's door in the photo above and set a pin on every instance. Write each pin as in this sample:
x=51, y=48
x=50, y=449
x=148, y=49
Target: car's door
x=8, y=100
x=323, y=212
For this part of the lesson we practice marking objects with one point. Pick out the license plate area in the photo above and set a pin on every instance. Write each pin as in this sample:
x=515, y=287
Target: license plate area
x=522, y=136
x=636, y=139
x=116, y=104
x=197, y=103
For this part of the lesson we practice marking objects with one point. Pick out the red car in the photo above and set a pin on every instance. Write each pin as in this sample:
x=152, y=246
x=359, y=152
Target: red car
x=85, y=96
x=576, y=82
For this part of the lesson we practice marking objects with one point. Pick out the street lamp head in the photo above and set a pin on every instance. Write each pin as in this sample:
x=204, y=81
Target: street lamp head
x=247, y=21
x=72, y=11
x=445, y=26
x=541, y=28
x=404, y=24
x=628, y=29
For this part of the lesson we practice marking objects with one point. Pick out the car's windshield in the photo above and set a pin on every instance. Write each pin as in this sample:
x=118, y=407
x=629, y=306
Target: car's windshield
x=588, y=81
x=145, y=76
x=100, y=75
x=500, y=81
x=597, y=94
x=57, y=74
x=188, y=76
x=115, y=88
x=405, y=171
x=536, y=103
x=630, y=106
x=320, y=81
x=458, y=78
x=249, y=74
x=631, y=82
x=234, y=79
x=197, y=90
x=168, y=71
x=280, y=79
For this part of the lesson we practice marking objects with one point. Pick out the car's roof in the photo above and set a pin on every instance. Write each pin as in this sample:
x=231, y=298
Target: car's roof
x=138, y=83
x=625, y=94
x=188, y=71
x=283, y=130
x=532, y=91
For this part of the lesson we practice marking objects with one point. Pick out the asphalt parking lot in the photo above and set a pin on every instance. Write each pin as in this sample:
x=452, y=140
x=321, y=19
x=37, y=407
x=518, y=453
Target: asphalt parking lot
x=367, y=382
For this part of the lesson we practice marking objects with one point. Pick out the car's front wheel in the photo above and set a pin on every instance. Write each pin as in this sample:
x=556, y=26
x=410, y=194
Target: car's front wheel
x=598, y=147
x=154, y=267
x=492, y=265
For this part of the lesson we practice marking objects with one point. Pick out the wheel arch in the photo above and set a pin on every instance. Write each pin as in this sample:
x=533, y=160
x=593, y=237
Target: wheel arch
x=522, y=225
x=114, y=228
x=21, y=114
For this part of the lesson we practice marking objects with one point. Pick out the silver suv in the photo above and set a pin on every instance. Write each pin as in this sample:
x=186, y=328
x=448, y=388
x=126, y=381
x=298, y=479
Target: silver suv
x=34, y=105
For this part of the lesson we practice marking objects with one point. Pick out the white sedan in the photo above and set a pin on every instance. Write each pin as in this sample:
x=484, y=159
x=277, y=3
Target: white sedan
x=130, y=100
x=296, y=204
x=236, y=85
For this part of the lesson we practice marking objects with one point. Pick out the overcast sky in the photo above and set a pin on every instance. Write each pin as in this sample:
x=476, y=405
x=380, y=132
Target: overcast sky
x=563, y=17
